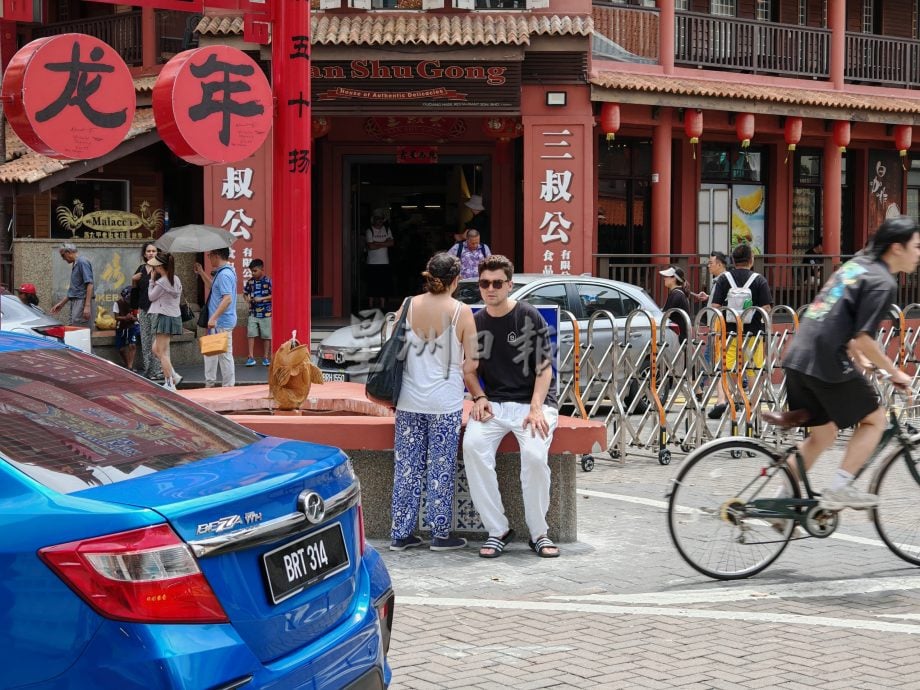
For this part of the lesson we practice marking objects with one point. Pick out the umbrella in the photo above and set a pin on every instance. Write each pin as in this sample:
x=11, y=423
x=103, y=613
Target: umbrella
x=194, y=238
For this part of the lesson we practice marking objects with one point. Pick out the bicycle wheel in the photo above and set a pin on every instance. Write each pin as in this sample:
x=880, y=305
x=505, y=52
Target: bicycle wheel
x=897, y=518
x=707, y=515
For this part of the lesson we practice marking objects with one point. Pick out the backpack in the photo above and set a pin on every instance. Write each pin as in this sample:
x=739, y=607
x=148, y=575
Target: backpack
x=482, y=248
x=740, y=297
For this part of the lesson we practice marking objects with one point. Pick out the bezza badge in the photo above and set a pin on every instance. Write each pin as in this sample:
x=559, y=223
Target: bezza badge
x=424, y=69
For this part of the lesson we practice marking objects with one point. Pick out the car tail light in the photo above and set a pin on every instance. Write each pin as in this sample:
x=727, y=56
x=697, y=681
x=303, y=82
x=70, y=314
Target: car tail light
x=385, y=615
x=146, y=575
x=359, y=525
x=51, y=332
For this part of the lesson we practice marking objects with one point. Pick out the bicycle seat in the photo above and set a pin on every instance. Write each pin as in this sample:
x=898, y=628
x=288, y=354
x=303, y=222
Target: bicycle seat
x=789, y=419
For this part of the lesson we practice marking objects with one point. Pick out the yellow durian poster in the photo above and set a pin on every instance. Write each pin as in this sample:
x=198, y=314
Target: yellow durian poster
x=748, y=203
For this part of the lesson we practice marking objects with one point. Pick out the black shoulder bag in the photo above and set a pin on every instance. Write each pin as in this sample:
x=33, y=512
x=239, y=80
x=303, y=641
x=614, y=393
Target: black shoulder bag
x=385, y=378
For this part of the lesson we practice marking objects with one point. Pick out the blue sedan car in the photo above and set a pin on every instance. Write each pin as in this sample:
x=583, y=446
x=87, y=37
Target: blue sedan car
x=149, y=543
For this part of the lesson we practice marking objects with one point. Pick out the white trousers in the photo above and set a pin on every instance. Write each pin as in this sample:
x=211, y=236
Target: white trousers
x=225, y=361
x=480, y=443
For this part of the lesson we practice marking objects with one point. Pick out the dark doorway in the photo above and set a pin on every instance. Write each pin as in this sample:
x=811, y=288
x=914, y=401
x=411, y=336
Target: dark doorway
x=424, y=208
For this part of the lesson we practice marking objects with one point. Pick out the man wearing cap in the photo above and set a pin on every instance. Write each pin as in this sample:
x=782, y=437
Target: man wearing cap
x=480, y=219
x=80, y=292
x=27, y=294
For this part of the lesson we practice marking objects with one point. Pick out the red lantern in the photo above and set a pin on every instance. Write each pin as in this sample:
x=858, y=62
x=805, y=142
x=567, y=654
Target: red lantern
x=902, y=138
x=319, y=127
x=744, y=127
x=610, y=120
x=693, y=127
x=842, y=135
x=793, y=134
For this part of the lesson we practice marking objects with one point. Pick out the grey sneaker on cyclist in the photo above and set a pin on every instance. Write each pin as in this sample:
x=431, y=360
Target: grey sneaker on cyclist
x=847, y=497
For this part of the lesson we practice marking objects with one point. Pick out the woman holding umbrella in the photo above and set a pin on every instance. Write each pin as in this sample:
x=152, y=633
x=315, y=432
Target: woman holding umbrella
x=165, y=293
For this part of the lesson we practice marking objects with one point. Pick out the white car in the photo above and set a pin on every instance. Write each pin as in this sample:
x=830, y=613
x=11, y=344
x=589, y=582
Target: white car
x=345, y=354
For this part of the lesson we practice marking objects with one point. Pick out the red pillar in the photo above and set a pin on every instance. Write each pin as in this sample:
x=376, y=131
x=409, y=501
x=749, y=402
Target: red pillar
x=666, y=35
x=148, y=37
x=833, y=169
x=291, y=171
x=836, y=21
x=661, y=190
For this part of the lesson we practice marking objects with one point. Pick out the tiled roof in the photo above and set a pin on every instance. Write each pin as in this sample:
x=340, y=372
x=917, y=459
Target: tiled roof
x=24, y=166
x=732, y=89
x=419, y=28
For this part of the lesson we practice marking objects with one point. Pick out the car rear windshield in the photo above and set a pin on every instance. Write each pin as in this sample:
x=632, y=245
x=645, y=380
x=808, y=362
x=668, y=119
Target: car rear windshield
x=72, y=422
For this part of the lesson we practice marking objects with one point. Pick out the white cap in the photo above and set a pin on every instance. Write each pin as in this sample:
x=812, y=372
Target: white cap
x=669, y=272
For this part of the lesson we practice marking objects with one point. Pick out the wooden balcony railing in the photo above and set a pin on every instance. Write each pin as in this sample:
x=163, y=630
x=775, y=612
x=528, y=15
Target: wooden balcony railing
x=123, y=32
x=635, y=29
x=703, y=40
x=882, y=60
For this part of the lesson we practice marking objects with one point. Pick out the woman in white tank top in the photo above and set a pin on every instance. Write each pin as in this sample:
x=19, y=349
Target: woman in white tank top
x=439, y=331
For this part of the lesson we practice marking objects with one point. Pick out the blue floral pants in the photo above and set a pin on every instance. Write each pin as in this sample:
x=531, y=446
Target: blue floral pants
x=425, y=447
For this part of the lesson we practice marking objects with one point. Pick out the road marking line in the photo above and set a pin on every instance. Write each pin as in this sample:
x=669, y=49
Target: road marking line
x=744, y=616
x=654, y=503
x=831, y=588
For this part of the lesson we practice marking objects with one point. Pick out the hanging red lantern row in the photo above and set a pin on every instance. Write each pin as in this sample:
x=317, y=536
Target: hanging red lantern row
x=504, y=129
x=693, y=127
x=903, y=134
x=319, y=127
x=744, y=128
x=610, y=120
x=792, y=132
x=842, y=135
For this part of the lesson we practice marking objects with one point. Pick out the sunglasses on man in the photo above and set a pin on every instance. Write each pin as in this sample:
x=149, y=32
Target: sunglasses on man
x=496, y=284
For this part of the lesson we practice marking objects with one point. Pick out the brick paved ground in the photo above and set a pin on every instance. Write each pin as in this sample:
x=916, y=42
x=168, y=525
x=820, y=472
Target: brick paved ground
x=620, y=609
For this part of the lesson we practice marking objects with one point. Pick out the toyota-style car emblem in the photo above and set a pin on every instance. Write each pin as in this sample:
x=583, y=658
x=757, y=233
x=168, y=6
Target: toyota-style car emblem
x=312, y=505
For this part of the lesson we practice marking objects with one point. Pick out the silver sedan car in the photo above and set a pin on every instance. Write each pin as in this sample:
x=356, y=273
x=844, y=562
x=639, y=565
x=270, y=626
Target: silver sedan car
x=345, y=354
x=19, y=317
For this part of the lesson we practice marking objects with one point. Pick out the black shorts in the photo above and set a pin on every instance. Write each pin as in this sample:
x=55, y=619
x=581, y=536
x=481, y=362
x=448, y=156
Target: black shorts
x=844, y=403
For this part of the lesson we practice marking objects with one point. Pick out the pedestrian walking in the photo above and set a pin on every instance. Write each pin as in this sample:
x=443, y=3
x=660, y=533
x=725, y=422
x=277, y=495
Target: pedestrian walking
x=221, y=302
x=28, y=294
x=516, y=396
x=127, y=330
x=257, y=291
x=739, y=289
x=470, y=252
x=140, y=300
x=678, y=297
x=440, y=332
x=80, y=293
x=165, y=294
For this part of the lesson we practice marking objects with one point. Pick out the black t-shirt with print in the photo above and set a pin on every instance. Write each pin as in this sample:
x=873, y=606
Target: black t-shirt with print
x=760, y=296
x=853, y=301
x=513, y=349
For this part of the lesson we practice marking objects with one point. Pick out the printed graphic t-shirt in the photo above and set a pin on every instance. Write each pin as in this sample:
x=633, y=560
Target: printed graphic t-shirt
x=853, y=301
x=514, y=348
x=259, y=287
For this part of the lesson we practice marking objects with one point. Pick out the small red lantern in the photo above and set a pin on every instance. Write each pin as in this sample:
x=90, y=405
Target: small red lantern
x=902, y=138
x=744, y=128
x=319, y=127
x=693, y=127
x=610, y=120
x=842, y=135
x=793, y=134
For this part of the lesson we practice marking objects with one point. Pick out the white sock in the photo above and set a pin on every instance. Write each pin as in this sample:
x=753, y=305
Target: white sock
x=841, y=479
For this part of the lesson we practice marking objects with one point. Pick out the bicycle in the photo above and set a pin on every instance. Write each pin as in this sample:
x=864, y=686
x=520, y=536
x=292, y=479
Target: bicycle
x=726, y=527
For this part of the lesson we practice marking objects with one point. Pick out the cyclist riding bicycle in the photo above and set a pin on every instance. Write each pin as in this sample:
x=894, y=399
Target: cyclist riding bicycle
x=826, y=389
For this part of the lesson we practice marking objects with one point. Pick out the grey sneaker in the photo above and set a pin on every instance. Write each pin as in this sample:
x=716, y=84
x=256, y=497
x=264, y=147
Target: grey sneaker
x=847, y=497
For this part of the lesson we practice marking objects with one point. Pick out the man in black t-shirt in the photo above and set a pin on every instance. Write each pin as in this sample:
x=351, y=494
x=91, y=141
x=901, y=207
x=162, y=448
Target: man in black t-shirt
x=835, y=339
x=515, y=396
x=741, y=273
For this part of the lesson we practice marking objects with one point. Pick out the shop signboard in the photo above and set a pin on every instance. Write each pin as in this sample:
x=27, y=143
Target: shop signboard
x=371, y=85
x=108, y=224
x=112, y=271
